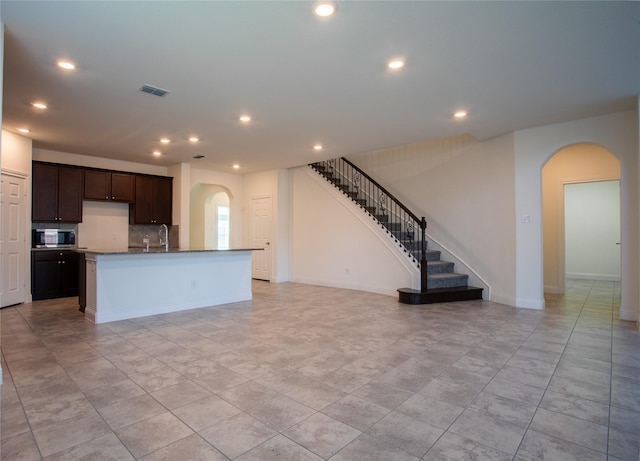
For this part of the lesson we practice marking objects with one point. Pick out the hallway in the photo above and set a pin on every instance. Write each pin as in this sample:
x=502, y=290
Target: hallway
x=309, y=373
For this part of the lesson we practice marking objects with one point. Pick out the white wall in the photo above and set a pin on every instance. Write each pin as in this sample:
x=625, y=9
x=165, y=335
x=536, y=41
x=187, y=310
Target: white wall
x=592, y=228
x=1, y=86
x=333, y=246
x=465, y=189
x=16, y=153
x=618, y=133
x=104, y=225
x=181, y=173
x=45, y=155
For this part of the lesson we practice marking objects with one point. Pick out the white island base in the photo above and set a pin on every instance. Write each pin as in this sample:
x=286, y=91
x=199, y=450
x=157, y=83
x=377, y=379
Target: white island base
x=125, y=285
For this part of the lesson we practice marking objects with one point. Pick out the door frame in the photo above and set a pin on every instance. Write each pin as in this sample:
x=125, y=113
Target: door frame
x=26, y=213
x=252, y=228
x=561, y=248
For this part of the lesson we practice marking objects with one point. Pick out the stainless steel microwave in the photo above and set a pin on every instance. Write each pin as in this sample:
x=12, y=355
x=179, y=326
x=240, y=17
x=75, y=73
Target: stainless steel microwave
x=53, y=238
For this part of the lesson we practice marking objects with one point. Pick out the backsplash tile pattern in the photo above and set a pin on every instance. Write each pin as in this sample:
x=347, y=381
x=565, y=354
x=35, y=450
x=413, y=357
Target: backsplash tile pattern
x=139, y=232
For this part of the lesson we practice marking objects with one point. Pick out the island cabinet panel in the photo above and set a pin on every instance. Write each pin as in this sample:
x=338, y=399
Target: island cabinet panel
x=103, y=185
x=55, y=274
x=153, y=200
x=57, y=193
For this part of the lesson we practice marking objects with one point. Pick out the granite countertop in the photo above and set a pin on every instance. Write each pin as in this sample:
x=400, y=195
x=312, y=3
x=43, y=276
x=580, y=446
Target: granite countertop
x=157, y=250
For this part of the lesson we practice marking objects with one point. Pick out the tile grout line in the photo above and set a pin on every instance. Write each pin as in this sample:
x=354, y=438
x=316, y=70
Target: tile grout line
x=553, y=374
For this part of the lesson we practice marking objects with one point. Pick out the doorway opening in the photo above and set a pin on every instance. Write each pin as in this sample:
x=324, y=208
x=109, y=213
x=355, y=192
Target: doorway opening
x=210, y=217
x=574, y=180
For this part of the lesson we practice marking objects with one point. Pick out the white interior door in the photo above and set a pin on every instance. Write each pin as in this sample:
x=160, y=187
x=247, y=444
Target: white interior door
x=592, y=230
x=261, y=237
x=12, y=240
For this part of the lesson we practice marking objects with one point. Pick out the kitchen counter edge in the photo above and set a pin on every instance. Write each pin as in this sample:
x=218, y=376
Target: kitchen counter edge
x=143, y=251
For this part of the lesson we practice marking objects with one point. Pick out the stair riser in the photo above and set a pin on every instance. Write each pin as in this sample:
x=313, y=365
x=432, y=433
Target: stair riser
x=441, y=268
x=449, y=282
x=408, y=296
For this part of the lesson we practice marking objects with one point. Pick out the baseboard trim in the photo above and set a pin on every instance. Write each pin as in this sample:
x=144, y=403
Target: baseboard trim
x=589, y=276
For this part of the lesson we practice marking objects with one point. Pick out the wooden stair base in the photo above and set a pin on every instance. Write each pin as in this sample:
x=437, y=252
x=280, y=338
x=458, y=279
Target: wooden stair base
x=439, y=295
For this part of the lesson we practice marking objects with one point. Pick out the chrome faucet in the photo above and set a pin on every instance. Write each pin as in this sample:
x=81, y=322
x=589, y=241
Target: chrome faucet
x=166, y=236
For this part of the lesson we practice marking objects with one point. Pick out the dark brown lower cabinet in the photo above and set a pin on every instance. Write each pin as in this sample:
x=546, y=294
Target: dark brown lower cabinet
x=54, y=274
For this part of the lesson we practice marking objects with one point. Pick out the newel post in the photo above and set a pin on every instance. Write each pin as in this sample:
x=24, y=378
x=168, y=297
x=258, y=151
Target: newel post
x=424, y=273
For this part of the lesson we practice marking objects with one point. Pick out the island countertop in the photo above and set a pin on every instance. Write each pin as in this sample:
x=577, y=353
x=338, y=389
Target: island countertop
x=156, y=250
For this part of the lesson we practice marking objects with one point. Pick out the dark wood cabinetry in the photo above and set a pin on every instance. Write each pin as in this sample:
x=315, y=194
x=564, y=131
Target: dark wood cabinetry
x=104, y=185
x=153, y=200
x=57, y=193
x=55, y=274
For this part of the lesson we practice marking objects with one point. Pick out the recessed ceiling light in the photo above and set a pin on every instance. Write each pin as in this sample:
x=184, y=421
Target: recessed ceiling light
x=66, y=65
x=245, y=118
x=157, y=153
x=194, y=139
x=24, y=130
x=460, y=114
x=165, y=140
x=395, y=63
x=324, y=9
x=39, y=105
x=236, y=166
x=317, y=147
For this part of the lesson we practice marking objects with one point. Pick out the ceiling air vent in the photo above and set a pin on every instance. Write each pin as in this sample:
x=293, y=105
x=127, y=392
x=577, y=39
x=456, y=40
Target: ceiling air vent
x=198, y=156
x=154, y=90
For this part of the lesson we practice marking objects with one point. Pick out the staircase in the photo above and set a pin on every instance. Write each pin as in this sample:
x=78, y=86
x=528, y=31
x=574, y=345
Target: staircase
x=439, y=282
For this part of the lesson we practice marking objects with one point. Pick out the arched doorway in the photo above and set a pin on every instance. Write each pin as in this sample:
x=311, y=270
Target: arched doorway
x=210, y=209
x=571, y=169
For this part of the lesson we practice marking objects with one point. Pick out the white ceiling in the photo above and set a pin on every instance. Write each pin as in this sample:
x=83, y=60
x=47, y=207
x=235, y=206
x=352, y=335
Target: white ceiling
x=307, y=80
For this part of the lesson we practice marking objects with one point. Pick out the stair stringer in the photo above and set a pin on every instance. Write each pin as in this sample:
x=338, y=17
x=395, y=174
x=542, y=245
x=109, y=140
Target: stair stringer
x=411, y=271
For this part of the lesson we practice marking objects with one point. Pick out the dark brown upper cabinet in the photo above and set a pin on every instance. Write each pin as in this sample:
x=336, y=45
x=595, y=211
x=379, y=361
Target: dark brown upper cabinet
x=57, y=192
x=104, y=185
x=153, y=200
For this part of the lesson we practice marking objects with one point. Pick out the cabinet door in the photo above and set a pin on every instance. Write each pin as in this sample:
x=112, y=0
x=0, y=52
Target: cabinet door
x=70, y=274
x=46, y=279
x=141, y=211
x=44, y=193
x=70, y=194
x=122, y=187
x=96, y=185
x=162, y=200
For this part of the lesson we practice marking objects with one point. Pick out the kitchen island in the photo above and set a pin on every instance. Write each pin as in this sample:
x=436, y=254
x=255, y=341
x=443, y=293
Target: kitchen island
x=130, y=283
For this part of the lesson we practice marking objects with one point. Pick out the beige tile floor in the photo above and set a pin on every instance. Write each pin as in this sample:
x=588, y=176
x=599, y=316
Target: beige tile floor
x=311, y=373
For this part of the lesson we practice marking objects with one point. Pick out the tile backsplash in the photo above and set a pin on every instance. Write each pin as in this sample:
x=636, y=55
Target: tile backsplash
x=138, y=233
